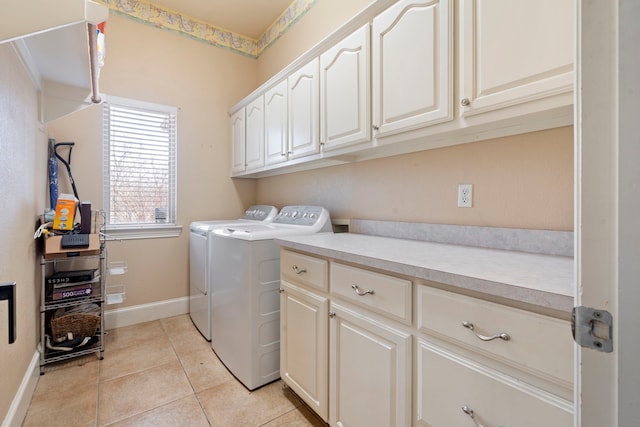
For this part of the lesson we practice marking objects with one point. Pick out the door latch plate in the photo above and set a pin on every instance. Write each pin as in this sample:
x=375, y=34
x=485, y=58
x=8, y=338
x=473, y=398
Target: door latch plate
x=592, y=328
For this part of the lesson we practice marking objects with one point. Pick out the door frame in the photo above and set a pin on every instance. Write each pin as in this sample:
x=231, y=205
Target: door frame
x=607, y=206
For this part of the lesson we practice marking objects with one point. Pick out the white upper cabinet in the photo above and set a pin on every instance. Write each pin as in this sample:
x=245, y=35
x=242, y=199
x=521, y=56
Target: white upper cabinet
x=412, y=73
x=303, y=111
x=514, y=51
x=238, y=139
x=383, y=84
x=254, y=135
x=275, y=124
x=344, y=92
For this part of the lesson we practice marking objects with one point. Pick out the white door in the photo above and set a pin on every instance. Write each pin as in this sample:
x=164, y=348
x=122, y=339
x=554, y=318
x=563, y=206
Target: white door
x=344, y=92
x=607, y=207
x=304, y=343
x=237, y=141
x=254, y=136
x=275, y=124
x=303, y=111
x=370, y=372
x=412, y=71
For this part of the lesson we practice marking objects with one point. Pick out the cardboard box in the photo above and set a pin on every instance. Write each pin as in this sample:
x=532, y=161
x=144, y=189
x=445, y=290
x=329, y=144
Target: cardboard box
x=53, y=248
x=65, y=212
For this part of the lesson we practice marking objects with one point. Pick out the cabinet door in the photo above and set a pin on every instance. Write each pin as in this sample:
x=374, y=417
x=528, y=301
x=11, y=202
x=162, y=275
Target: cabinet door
x=254, y=136
x=238, y=141
x=370, y=372
x=412, y=69
x=304, y=340
x=344, y=92
x=275, y=124
x=514, y=51
x=303, y=111
x=448, y=382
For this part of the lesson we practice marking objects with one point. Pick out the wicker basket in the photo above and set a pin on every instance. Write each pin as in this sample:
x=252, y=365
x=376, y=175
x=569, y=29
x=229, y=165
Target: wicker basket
x=79, y=324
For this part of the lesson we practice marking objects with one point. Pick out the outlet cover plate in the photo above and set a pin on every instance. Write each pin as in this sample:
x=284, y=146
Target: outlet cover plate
x=465, y=195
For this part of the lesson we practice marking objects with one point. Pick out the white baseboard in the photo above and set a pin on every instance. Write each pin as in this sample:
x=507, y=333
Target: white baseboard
x=145, y=312
x=22, y=399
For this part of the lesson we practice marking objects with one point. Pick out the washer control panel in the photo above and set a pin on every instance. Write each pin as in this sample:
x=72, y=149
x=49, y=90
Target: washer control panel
x=260, y=212
x=301, y=215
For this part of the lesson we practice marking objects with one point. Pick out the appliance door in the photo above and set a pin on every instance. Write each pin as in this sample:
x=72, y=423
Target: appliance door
x=199, y=304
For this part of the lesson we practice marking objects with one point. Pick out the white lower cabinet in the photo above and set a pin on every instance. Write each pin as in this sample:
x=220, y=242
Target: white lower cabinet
x=489, y=363
x=454, y=391
x=370, y=371
x=353, y=350
x=304, y=340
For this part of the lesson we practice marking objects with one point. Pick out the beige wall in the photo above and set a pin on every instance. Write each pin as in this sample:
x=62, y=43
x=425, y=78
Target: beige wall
x=23, y=180
x=523, y=181
x=322, y=19
x=148, y=64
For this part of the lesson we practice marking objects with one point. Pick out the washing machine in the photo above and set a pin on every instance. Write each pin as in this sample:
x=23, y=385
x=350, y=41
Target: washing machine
x=245, y=315
x=199, y=268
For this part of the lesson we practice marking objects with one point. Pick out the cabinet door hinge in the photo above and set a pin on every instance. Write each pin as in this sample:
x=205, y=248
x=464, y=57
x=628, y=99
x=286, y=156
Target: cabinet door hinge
x=592, y=328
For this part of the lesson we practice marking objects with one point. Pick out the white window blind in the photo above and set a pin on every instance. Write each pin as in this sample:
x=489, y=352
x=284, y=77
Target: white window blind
x=139, y=141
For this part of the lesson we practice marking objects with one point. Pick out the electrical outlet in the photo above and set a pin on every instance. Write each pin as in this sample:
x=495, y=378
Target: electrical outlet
x=465, y=195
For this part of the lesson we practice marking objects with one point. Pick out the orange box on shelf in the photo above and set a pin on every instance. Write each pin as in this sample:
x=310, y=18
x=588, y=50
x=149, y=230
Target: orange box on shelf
x=65, y=212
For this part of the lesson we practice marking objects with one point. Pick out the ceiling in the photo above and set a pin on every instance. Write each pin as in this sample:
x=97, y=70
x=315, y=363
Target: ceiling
x=249, y=18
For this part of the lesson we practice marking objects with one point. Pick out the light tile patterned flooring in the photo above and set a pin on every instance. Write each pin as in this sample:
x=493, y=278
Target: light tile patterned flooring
x=160, y=373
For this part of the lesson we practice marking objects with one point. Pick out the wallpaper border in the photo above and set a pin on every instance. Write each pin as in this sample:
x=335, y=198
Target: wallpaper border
x=166, y=19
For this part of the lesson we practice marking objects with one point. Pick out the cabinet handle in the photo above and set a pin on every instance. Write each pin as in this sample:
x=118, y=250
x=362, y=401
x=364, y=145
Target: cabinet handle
x=283, y=154
x=465, y=102
x=298, y=270
x=376, y=128
x=281, y=290
x=471, y=414
x=359, y=292
x=332, y=314
x=502, y=336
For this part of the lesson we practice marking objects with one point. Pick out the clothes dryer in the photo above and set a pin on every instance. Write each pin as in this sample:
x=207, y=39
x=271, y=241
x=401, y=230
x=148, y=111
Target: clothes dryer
x=245, y=315
x=199, y=255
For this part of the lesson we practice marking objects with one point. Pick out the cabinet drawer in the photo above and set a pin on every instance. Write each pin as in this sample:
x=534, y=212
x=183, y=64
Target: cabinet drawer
x=304, y=269
x=387, y=295
x=538, y=344
x=448, y=382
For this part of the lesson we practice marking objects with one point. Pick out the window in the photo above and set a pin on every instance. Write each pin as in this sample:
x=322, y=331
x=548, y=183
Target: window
x=139, y=161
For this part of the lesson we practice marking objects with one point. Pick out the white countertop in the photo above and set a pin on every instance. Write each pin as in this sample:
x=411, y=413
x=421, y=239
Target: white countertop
x=545, y=281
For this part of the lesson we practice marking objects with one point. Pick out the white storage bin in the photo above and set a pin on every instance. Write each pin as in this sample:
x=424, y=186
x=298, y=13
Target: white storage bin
x=116, y=294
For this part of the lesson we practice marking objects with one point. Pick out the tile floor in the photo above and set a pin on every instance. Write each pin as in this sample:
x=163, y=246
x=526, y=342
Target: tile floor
x=160, y=373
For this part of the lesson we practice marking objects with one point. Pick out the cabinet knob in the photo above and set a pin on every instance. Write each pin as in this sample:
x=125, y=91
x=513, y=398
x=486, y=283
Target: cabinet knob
x=283, y=154
x=376, y=128
x=332, y=314
x=281, y=290
x=502, y=335
x=465, y=102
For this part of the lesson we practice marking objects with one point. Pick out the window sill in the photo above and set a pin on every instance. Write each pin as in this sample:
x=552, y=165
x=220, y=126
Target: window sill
x=141, y=232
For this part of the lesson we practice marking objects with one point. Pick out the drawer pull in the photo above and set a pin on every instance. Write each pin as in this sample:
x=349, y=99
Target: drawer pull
x=361, y=293
x=502, y=336
x=471, y=414
x=298, y=270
